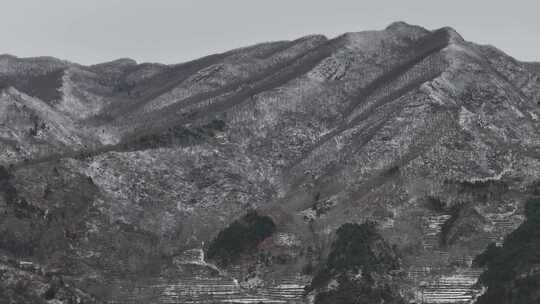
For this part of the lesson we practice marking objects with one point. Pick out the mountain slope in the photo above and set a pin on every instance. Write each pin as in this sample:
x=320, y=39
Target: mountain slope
x=534, y=67
x=512, y=269
x=118, y=172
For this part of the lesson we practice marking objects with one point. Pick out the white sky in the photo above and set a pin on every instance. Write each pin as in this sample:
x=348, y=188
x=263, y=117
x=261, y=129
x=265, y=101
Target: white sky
x=172, y=31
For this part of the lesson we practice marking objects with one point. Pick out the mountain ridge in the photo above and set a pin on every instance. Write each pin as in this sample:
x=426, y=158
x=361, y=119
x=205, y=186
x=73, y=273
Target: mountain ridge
x=130, y=168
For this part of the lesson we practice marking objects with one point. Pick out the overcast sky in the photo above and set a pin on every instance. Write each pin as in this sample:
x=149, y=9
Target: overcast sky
x=172, y=31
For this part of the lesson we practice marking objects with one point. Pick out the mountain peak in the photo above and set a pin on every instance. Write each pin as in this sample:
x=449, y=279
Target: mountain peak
x=403, y=26
x=453, y=35
x=120, y=62
x=8, y=56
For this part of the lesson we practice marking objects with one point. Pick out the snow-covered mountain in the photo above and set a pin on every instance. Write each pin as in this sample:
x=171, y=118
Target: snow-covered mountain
x=115, y=174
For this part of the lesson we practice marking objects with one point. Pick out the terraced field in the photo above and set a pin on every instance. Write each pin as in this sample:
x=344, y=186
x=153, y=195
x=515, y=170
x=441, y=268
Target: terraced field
x=199, y=290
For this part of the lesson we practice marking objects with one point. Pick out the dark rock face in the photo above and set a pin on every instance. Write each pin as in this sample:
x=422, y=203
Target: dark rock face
x=115, y=175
